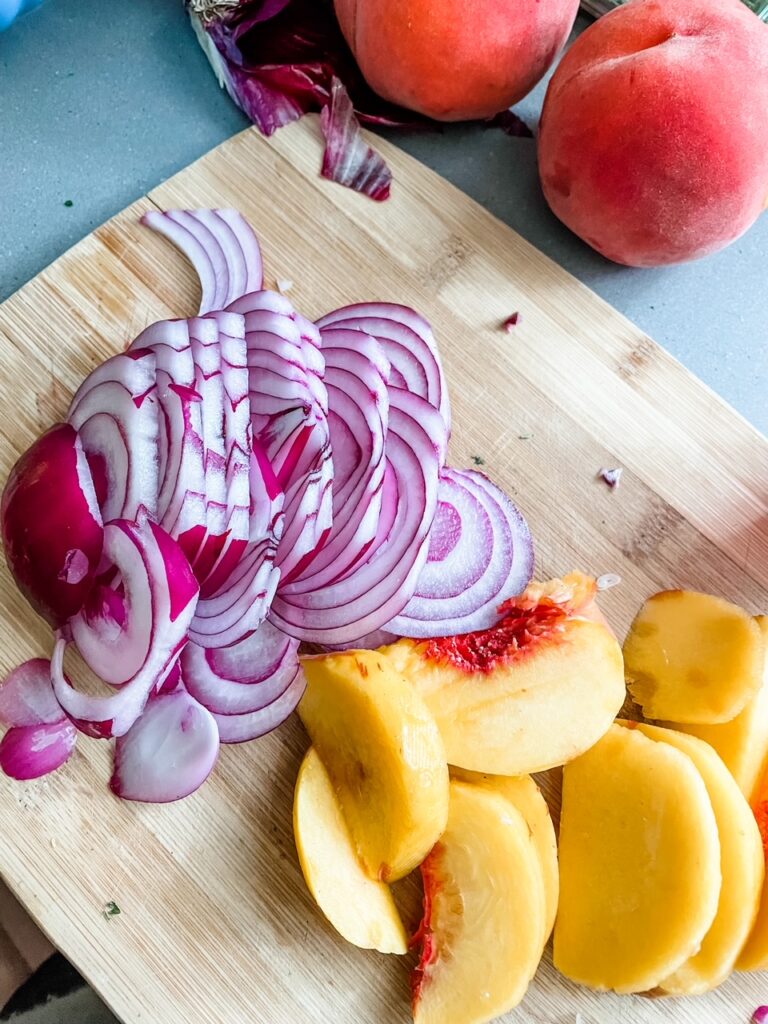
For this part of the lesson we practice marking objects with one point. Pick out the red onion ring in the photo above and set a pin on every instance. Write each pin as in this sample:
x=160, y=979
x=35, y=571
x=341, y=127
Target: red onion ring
x=408, y=343
x=480, y=554
x=116, y=416
x=244, y=678
x=242, y=728
x=160, y=594
x=220, y=245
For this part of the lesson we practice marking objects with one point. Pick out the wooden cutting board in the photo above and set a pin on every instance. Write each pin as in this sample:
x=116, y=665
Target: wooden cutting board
x=216, y=925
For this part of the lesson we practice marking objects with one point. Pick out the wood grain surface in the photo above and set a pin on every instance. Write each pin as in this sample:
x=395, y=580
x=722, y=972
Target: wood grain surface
x=216, y=924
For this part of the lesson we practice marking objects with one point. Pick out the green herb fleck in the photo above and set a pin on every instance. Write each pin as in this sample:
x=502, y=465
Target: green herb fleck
x=524, y=437
x=68, y=202
x=111, y=910
x=478, y=461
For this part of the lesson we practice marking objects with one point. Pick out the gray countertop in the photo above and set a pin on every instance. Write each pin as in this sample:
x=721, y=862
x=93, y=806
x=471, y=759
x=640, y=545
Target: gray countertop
x=100, y=100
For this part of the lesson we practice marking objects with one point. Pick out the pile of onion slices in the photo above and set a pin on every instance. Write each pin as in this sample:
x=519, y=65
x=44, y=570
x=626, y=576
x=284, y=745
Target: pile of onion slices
x=228, y=487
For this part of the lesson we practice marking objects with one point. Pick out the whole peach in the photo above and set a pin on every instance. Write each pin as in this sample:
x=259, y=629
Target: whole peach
x=455, y=59
x=653, y=144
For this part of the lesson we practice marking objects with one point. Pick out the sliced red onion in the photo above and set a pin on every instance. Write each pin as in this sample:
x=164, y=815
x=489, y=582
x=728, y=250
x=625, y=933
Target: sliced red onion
x=31, y=751
x=408, y=343
x=288, y=403
x=206, y=352
x=356, y=380
x=480, y=554
x=348, y=159
x=237, y=447
x=116, y=415
x=220, y=245
x=241, y=606
x=137, y=647
x=52, y=526
x=168, y=753
x=379, y=586
x=243, y=678
x=27, y=697
x=181, y=506
x=241, y=728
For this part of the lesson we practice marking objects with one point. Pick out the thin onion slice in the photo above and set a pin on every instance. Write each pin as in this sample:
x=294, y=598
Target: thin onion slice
x=168, y=753
x=480, y=554
x=379, y=586
x=237, y=451
x=356, y=380
x=158, y=602
x=243, y=678
x=242, y=728
x=181, y=509
x=369, y=642
x=27, y=697
x=31, y=751
x=288, y=403
x=408, y=343
x=241, y=606
x=206, y=353
x=116, y=415
x=220, y=245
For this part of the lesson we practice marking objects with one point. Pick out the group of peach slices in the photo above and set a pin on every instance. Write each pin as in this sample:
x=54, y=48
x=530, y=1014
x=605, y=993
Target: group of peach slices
x=422, y=754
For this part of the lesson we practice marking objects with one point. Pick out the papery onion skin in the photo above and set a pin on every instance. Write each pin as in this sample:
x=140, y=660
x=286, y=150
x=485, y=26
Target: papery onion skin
x=31, y=751
x=52, y=525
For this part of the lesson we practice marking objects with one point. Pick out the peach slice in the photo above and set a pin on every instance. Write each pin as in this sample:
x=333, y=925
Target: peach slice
x=533, y=692
x=754, y=955
x=741, y=867
x=383, y=753
x=523, y=793
x=743, y=742
x=693, y=658
x=484, y=913
x=639, y=864
x=360, y=908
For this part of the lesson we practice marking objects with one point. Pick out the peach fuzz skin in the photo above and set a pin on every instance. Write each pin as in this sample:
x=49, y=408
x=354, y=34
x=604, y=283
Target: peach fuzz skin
x=653, y=143
x=455, y=60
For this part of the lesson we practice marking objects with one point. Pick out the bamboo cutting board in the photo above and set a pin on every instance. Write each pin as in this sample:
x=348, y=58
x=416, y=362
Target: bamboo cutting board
x=216, y=925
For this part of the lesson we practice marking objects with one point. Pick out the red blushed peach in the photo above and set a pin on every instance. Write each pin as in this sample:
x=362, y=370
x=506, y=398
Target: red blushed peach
x=653, y=144
x=455, y=59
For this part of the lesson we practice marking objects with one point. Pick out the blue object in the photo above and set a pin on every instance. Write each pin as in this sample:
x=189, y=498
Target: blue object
x=11, y=9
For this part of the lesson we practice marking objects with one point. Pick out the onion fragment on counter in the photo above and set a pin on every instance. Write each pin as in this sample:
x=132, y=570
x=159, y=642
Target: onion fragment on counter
x=31, y=751
x=168, y=753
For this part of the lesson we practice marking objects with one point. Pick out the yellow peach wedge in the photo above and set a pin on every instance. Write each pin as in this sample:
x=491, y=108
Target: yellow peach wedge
x=361, y=909
x=523, y=793
x=743, y=742
x=741, y=867
x=639, y=864
x=754, y=955
x=693, y=658
x=384, y=755
x=484, y=913
x=532, y=692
